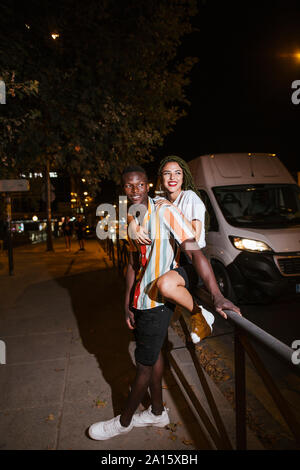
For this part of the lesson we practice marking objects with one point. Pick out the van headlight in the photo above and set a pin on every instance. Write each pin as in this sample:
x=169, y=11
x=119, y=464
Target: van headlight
x=247, y=244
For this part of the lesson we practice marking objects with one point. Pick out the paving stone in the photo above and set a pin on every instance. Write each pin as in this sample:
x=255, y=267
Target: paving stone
x=37, y=347
x=32, y=384
x=30, y=428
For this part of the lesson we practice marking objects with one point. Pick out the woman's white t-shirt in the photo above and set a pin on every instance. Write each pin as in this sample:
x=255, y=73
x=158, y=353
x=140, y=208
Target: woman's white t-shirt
x=192, y=208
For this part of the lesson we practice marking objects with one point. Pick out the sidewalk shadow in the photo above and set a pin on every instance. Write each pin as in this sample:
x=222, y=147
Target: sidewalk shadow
x=97, y=301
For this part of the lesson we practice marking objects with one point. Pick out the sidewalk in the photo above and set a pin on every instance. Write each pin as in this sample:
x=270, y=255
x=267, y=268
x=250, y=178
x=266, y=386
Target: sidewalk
x=69, y=358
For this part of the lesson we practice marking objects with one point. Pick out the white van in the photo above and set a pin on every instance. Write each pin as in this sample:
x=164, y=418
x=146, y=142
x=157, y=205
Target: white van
x=253, y=239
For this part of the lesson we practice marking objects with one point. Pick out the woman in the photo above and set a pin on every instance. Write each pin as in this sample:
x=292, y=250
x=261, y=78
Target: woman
x=179, y=191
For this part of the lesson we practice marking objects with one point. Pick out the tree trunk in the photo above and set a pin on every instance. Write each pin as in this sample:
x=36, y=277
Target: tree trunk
x=48, y=207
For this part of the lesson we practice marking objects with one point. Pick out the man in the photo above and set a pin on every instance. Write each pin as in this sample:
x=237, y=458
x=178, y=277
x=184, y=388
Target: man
x=145, y=311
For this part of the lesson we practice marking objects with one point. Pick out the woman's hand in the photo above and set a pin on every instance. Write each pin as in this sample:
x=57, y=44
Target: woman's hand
x=162, y=202
x=221, y=304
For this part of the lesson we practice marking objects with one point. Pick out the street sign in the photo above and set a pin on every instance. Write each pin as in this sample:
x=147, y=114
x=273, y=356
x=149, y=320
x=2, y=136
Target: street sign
x=7, y=186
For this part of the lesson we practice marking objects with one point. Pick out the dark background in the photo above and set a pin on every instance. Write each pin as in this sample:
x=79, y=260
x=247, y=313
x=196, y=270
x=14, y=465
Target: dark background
x=240, y=90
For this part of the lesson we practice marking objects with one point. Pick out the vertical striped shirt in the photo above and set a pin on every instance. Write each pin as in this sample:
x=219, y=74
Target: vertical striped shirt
x=167, y=230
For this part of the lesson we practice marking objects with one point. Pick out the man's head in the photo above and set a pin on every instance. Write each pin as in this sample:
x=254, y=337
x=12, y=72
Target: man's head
x=136, y=186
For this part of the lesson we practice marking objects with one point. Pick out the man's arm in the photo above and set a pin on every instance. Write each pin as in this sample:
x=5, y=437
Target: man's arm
x=130, y=278
x=205, y=271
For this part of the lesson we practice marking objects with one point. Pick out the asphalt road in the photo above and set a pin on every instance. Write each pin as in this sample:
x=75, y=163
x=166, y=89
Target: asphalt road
x=281, y=318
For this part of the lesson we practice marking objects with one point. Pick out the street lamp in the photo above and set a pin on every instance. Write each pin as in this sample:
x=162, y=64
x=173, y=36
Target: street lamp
x=54, y=36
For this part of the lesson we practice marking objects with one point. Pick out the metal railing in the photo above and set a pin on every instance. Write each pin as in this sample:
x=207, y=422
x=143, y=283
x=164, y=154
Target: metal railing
x=244, y=332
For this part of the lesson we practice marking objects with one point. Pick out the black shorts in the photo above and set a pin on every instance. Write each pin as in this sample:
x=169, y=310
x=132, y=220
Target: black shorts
x=151, y=327
x=189, y=275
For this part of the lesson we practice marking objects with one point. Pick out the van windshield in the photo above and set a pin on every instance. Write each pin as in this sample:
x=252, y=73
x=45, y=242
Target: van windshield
x=260, y=205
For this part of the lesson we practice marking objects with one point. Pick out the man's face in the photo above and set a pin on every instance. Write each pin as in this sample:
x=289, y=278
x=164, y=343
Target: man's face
x=136, y=187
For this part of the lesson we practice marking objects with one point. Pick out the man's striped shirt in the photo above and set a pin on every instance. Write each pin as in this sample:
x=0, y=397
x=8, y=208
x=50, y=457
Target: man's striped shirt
x=167, y=229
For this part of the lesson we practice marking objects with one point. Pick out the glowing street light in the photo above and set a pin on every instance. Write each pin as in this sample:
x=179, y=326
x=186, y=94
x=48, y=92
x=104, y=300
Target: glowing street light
x=291, y=55
x=54, y=36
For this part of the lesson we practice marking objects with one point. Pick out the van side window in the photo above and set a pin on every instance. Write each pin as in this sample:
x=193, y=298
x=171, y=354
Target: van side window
x=213, y=223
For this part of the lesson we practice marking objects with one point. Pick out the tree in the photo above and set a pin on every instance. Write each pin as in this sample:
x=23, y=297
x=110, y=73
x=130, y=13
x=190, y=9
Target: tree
x=104, y=93
x=110, y=87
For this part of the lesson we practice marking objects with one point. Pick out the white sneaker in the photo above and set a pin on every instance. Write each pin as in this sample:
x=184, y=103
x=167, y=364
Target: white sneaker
x=201, y=325
x=107, y=429
x=147, y=418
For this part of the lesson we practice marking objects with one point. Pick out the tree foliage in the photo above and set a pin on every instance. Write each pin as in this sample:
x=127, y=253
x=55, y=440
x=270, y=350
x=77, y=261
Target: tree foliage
x=104, y=93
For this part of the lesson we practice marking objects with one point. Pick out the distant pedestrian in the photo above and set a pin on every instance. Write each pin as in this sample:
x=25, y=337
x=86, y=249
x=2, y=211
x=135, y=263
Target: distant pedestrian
x=67, y=229
x=80, y=231
x=56, y=229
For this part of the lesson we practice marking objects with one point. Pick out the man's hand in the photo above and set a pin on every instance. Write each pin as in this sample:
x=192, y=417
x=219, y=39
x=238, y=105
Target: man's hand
x=138, y=233
x=129, y=318
x=221, y=304
x=142, y=237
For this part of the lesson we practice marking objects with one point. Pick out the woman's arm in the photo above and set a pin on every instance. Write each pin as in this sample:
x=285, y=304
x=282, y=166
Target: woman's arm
x=197, y=227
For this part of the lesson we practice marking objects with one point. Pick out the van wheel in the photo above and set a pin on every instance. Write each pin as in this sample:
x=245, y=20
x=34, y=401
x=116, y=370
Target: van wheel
x=223, y=281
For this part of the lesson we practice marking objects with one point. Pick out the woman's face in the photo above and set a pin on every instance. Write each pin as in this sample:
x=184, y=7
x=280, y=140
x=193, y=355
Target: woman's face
x=172, y=178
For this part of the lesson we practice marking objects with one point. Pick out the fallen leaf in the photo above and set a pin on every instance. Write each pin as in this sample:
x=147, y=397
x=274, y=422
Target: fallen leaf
x=173, y=437
x=100, y=403
x=50, y=418
x=172, y=427
x=187, y=442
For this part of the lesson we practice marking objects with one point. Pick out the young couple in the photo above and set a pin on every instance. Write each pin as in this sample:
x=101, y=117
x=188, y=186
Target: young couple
x=155, y=283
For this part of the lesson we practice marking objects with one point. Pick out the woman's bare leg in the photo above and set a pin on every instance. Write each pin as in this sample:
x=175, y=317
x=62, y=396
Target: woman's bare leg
x=172, y=286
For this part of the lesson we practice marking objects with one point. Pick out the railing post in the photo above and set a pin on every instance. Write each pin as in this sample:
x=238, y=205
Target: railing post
x=240, y=393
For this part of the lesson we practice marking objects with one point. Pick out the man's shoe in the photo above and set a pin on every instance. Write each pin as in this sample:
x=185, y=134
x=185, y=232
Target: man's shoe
x=147, y=418
x=201, y=325
x=107, y=429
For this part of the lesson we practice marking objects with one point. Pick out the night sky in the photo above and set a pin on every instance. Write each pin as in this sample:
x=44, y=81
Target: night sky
x=240, y=90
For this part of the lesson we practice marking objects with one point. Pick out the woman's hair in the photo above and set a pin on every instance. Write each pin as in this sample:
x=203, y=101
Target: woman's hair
x=188, y=182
